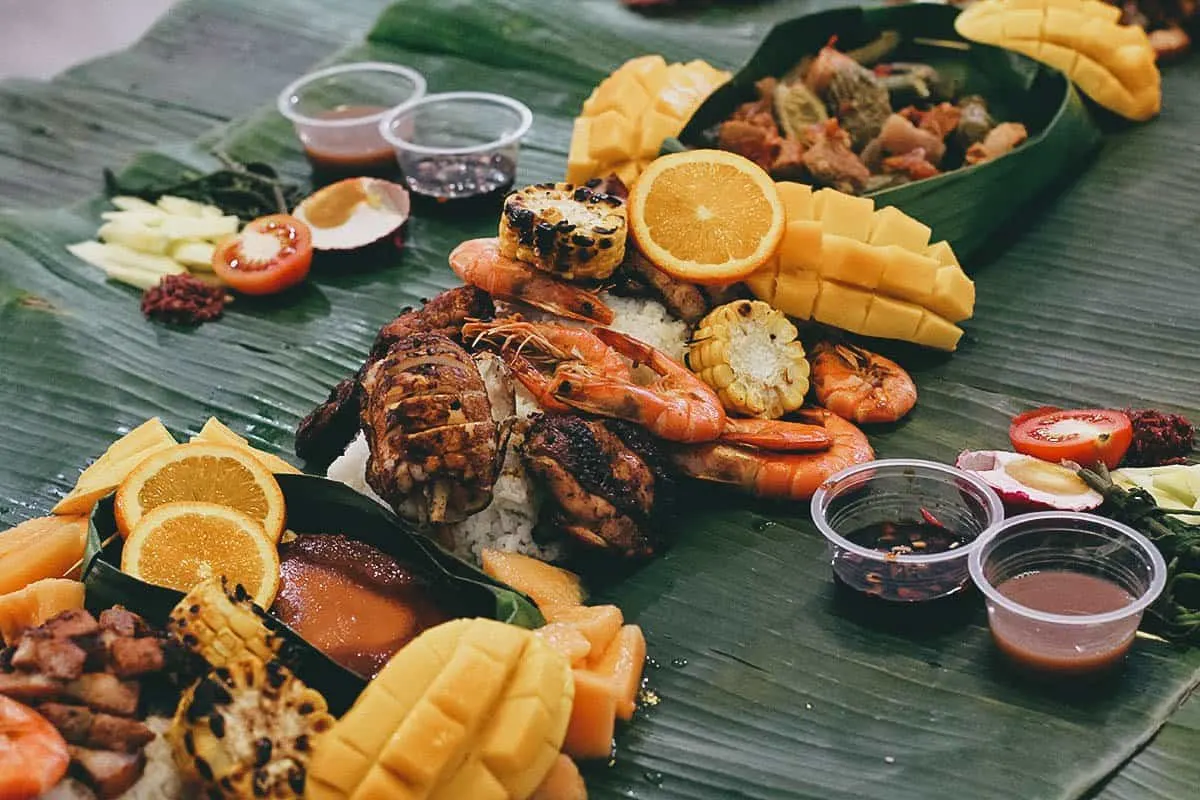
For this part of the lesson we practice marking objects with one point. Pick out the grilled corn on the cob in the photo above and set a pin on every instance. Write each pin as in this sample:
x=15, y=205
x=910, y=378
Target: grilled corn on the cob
x=748, y=352
x=247, y=730
x=220, y=625
x=570, y=231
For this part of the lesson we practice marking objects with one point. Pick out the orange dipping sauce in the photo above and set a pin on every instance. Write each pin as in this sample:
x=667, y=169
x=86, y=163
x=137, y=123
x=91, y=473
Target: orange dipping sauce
x=352, y=601
x=350, y=151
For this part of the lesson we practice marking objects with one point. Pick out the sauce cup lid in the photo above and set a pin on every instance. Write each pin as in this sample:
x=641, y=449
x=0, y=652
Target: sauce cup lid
x=820, y=500
x=284, y=102
x=1049, y=520
x=524, y=121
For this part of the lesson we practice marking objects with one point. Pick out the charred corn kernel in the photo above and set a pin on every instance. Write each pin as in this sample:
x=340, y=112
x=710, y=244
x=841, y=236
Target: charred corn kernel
x=1114, y=64
x=221, y=625
x=748, y=352
x=471, y=708
x=247, y=729
x=570, y=231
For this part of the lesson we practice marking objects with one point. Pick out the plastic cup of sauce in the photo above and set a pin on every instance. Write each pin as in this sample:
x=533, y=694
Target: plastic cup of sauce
x=1065, y=591
x=458, y=145
x=336, y=112
x=901, y=529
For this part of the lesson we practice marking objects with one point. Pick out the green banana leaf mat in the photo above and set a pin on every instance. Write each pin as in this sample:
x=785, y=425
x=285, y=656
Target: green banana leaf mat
x=768, y=685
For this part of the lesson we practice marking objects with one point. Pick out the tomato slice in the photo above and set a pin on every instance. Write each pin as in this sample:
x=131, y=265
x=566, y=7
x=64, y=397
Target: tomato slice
x=1085, y=436
x=33, y=755
x=269, y=255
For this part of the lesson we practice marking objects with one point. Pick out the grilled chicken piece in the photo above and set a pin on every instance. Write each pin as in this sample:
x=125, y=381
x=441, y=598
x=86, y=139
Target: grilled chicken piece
x=608, y=488
x=133, y=657
x=61, y=659
x=80, y=725
x=109, y=773
x=28, y=686
x=684, y=300
x=323, y=435
x=428, y=423
x=101, y=691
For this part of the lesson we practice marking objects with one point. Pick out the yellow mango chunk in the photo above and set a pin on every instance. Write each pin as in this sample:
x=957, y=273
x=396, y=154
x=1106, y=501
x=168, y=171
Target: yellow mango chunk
x=622, y=664
x=593, y=717
x=563, y=782
x=796, y=293
x=892, y=319
x=908, y=276
x=1023, y=24
x=650, y=71
x=44, y=547
x=953, y=295
x=1061, y=27
x=801, y=246
x=107, y=472
x=797, y=199
x=470, y=708
x=937, y=332
x=842, y=306
x=843, y=214
x=942, y=253
x=36, y=603
x=853, y=262
x=761, y=282
x=656, y=127
x=567, y=639
x=216, y=432
x=627, y=171
x=891, y=226
x=620, y=92
x=549, y=586
x=611, y=137
x=1061, y=58
x=599, y=624
x=580, y=164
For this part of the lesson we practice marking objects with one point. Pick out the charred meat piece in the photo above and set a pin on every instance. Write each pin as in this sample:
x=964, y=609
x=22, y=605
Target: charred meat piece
x=1000, y=140
x=28, y=687
x=323, y=435
x=80, y=725
x=133, y=657
x=123, y=622
x=757, y=139
x=608, y=495
x=831, y=162
x=109, y=773
x=60, y=659
x=101, y=691
x=70, y=624
x=638, y=276
x=974, y=121
x=852, y=93
x=912, y=164
x=428, y=423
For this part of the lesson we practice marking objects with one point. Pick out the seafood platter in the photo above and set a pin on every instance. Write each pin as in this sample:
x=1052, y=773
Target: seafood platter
x=721, y=300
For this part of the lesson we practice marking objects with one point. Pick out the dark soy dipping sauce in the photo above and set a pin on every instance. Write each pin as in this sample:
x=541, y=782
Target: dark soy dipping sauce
x=908, y=538
x=1047, y=648
x=457, y=177
x=356, y=152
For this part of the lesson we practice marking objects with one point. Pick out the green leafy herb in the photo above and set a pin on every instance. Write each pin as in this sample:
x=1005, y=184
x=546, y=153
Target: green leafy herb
x=247, y=190
x=1176, y=614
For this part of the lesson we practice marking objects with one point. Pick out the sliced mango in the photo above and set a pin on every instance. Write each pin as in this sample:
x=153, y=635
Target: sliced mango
x=1113, y=64
x=843, y=214
x=624, y=121
x=891, y=226
x=851, y=261
x=598, y=624
x=796, y=293
x=38, y=602
x=110, y=469
x=216, y=432
x=549, y=586
x=45, y=547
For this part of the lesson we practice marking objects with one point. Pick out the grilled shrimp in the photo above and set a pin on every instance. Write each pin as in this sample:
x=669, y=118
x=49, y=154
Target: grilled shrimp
x=859, y=385
x=479, y=263
x=767, y=473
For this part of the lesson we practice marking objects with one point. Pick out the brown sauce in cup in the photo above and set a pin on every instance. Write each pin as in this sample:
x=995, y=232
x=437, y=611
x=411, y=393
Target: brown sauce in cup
x=357, y=152
x=1063, y=649
x=351, y=600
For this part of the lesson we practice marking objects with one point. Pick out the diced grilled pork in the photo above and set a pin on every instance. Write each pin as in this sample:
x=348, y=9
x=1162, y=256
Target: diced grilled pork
x=76, y=622
x=80, y=725
x=55, y=658
x=104, y=692
x=133, y=657
x=109, y=773
x=28, y=686
x=122, y=622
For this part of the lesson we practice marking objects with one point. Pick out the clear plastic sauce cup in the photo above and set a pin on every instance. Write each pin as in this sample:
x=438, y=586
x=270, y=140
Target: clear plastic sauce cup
x=1065, y=591
x=336, y=112
x=906, y=495
x=458, y=144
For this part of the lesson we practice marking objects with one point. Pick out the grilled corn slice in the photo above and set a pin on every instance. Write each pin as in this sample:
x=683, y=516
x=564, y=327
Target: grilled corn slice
x=220, y=625
x=247, y=730
x=748, y=352
x=570, y=231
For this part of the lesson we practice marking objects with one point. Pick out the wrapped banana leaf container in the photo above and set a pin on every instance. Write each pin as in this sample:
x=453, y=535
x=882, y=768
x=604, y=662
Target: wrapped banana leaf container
x=966, y=206
x=315, y=506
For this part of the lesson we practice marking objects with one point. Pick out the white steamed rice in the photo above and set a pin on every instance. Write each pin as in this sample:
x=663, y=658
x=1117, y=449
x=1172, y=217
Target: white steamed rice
x=509, y=520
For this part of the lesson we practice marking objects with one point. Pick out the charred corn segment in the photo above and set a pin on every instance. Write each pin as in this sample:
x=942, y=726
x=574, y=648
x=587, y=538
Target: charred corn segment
x=748, y=352
x=220, y=625
x=570, y=231
x=627, y=117
x=873, y=272
x=248, y=729
x=470, y=708
x=1113, y=64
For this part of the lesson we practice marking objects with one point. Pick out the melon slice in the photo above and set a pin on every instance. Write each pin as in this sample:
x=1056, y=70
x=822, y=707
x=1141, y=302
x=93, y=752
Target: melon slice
x=598, y=624
x=568, y=640
x=38, y=602
x=593, y=717
x=217, y=432
x=111, y=468
x=549, y=586
x=620, y=666
x=46, y=547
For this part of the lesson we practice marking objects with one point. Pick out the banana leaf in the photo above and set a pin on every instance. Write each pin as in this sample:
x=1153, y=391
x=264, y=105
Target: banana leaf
x=966, y=206
x=769, y=683
x=315, y=506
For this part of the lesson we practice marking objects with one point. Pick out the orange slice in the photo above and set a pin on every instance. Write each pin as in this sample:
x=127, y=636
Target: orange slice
x=706, y=216
x=206, y=473
x=180, y=545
